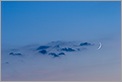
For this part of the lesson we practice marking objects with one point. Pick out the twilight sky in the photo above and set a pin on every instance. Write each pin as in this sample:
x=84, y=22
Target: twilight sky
x=35, y=22
x=26, y=23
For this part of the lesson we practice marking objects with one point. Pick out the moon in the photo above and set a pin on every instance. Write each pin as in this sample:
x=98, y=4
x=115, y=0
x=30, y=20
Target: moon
x=99, y=46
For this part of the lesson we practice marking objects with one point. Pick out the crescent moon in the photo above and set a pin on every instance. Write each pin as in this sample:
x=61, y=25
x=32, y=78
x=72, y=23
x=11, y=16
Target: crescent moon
x=99, y=46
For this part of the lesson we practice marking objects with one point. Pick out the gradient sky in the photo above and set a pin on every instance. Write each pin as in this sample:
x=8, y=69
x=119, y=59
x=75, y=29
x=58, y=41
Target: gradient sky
x=35, y=22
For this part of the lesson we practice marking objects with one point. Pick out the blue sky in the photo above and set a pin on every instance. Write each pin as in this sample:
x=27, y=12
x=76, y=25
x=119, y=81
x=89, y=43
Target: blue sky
x=35, y=22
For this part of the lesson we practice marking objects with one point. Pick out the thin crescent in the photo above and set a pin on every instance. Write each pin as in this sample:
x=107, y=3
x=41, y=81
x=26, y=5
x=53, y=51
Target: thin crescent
x=100, y=45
